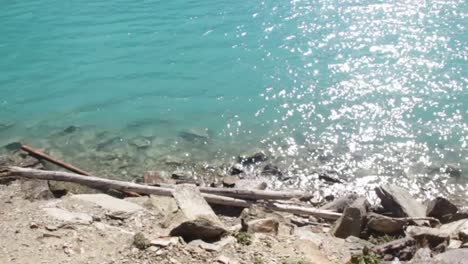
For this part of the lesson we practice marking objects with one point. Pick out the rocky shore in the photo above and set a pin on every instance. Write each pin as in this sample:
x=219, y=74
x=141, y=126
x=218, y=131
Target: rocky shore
x=58, y=222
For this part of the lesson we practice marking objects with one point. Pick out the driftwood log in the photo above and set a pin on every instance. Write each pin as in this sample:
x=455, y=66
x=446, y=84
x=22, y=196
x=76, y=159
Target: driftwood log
x=41, y=155
x=102, y=183
x=230, y=197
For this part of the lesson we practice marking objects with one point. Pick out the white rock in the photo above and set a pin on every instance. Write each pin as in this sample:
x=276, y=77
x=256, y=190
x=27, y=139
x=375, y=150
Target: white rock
x=109, y=203
x=69, y=217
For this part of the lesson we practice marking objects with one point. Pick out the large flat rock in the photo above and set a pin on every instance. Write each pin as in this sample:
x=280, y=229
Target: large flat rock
x=196, y=219
x=69, y=217
x=107, y=202
x=400, y=202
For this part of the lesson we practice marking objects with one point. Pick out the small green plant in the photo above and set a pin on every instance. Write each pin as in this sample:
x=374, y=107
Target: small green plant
x=378, y=240
x=367, y=257
x=140, y=241
x=243, y=238
x=258, y=260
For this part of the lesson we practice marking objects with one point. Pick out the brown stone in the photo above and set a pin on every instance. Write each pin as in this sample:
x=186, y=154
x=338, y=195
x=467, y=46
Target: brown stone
x=384, y=224
x=265, y=225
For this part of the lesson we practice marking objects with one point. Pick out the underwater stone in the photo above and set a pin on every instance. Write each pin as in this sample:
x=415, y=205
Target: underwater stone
x=140, y=142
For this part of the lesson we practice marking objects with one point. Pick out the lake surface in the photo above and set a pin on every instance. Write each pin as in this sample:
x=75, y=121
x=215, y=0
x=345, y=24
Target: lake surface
x=368, y=90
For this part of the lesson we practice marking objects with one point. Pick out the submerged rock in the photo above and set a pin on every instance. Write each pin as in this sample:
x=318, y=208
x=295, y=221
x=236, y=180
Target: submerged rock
x=195, y=134
x=453, y=170
x=250, y=159
x=271, y=170
x=140, y=142
x=70, y=129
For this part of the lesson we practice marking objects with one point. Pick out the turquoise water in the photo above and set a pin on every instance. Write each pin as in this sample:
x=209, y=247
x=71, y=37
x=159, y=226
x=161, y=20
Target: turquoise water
x=363, y=88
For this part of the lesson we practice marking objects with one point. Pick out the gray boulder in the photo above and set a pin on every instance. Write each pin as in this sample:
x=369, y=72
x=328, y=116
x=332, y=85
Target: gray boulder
x=440, y=207
x=400, y=202
x=196, y=219
x=351, y=223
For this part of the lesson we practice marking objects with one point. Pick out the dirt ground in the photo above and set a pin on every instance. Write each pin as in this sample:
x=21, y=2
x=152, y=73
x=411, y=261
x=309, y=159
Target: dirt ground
x=88, y=233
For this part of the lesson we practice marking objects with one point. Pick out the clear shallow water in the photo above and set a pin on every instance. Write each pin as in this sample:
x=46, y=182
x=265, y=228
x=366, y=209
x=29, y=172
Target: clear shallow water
x=369, y=89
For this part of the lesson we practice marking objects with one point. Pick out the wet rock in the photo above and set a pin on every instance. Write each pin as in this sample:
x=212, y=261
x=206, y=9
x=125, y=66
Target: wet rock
x=251, y=184
x=250, y=159
x=432, y=236
x=140, y=142
x=236, y=169
x=352, y=222
x=30, y=162
x=7, y=125
x=70, y=129
x=440, y=208
x=36, y=190
x=13, y=146
x=195, y=134
x=400, y=202
x=454, y=256
x=230, y=181
x=341, y=203
x=453, y=170
x=265, y=225
x=329, y=178
x=385, y=224
x=206, y=246
x=69, y=217
x=271, y=170
x=114, y=206
x=197, y=220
